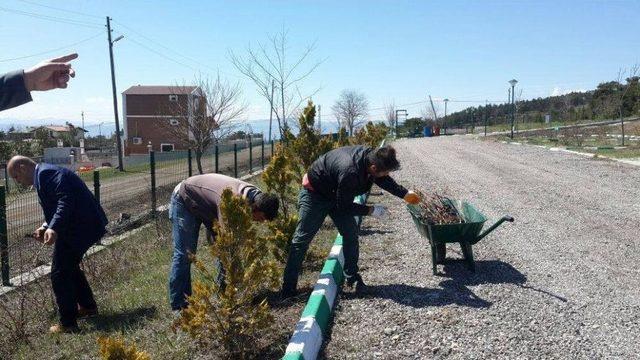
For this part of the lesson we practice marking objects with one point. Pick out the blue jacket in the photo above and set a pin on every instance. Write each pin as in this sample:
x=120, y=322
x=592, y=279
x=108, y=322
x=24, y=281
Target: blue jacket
x=69, y=207
x=12, y=90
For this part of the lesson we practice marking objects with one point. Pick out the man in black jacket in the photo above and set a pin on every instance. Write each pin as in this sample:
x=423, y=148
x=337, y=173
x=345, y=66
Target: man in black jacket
x=329, y=187
x=16, y=86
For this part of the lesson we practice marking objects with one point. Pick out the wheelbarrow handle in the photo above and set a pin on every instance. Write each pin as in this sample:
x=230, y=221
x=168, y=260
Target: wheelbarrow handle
x=493, y=227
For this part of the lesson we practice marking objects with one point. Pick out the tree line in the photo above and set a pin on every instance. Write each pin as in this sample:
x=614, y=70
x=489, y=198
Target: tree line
x=609, y=100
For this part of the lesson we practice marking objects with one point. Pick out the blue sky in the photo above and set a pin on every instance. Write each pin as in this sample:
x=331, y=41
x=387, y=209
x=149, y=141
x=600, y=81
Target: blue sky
x=399, y=51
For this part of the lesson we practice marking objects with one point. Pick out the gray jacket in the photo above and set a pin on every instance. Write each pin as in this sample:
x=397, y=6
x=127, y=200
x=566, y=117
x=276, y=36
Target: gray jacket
x=202, y=194
x=12, y=90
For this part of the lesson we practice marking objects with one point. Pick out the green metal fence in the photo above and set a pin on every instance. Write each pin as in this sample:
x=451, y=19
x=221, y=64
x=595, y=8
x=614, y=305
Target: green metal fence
x=146, y=183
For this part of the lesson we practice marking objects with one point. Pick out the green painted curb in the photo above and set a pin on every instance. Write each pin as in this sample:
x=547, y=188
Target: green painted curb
x=293, y=356
x=318, y=308
x=338, y=240
x=333, y=267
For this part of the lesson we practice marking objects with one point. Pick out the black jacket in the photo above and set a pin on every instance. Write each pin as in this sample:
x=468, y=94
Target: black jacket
x=12, y=90
x=341, y=174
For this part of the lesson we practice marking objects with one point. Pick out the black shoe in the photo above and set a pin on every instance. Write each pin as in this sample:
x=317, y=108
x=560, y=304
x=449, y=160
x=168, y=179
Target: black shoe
x=357, y=281
x=287, y=294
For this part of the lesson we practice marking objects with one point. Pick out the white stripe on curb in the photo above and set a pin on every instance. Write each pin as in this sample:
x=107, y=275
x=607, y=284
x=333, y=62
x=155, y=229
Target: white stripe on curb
x=326, y=286
x=306, y=339
x=336, y=253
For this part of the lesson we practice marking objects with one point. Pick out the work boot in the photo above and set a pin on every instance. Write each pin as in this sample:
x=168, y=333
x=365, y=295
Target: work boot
x=356, y=280
x=59, y=329
x=286, y=294
x=83, y=313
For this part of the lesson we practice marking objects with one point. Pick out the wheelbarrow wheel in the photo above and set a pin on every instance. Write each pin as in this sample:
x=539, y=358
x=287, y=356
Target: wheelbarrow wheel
x=467, y=252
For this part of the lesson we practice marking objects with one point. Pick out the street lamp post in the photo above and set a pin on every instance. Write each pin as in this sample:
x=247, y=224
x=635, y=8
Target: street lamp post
x=444, y=119
x=513, y=83
x=405, y=114
x=115, y=98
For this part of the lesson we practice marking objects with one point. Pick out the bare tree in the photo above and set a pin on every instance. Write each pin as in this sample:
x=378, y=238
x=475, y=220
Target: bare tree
x=277, y=77
x=351, y=109
x=431, y=114
x=211, y=113
x=390, y=114
x=632, y=72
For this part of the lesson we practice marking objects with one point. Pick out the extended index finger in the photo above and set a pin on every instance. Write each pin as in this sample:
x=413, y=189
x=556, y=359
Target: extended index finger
x=65, y=58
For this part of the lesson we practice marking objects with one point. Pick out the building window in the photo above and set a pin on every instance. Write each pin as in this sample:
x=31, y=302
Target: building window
x=166, y=147
x=137, y=141
x=173, y=97
x=174, y=122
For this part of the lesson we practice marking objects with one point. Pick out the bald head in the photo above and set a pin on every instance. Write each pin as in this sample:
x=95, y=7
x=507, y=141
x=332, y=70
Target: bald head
x=21, y=169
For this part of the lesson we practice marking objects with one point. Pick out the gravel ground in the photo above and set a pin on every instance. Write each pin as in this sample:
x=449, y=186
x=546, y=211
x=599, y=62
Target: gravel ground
x=560, y=282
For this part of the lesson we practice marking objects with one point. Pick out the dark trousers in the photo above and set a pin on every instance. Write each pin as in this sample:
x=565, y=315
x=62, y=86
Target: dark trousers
x=313, y=210
x=70, y=286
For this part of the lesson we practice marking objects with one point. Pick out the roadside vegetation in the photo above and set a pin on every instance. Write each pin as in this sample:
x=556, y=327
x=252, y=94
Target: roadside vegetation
x=129, y=279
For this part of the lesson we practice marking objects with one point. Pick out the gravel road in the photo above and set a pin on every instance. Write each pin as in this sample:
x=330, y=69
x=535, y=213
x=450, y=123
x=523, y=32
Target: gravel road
x=560, y=282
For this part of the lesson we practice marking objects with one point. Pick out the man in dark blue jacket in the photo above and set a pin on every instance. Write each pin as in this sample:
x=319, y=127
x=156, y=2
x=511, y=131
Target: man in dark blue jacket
x=74, y=222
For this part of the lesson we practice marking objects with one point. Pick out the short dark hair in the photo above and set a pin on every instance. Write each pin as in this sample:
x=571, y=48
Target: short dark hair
x=384, y=159
x=267, y=204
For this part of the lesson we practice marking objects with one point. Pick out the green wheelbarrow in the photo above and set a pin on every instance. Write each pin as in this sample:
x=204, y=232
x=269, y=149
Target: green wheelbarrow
x=467, y=233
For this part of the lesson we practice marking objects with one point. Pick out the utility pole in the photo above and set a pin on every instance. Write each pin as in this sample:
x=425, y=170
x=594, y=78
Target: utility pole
x=115, y=97
x=513, y=83
x=82, y=115
x=435, y=114
x=100, y=136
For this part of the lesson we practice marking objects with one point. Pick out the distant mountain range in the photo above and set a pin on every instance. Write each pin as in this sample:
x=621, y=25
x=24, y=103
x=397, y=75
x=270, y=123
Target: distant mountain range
x=107, y=129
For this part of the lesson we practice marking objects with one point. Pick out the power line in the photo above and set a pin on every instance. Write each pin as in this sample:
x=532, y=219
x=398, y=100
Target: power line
x=60, y=9
x=54, y=50
x=161, y=54
x=172, y=51
x=53, y=18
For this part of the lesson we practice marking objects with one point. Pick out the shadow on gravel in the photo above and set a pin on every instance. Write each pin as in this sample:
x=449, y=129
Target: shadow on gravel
x=489, y=272
x=419, y=297
x=373, y=231
x=453, y=290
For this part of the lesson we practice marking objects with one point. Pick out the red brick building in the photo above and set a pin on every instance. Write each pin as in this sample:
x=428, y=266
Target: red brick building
x=158, y=115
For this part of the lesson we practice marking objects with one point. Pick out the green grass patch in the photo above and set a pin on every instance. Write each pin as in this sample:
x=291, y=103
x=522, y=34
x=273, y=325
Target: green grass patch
x=130, y=282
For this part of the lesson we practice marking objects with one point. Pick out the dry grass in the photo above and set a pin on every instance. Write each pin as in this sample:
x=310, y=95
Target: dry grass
x=130, y=284
x=435, y=208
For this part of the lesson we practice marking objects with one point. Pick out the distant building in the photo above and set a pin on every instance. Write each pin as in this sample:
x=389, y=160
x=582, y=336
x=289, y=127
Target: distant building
x=149, y=117
x=53, y=131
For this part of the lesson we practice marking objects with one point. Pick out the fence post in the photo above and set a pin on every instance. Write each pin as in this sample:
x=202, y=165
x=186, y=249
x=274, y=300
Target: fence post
x=152, y=166
x=96, y=185
x=262, y=153
x=271, y=148
x=4, y=246
x=189, y=157
x=216, y=160
x=6, y=178
x=250, y=155
x=235, y=160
